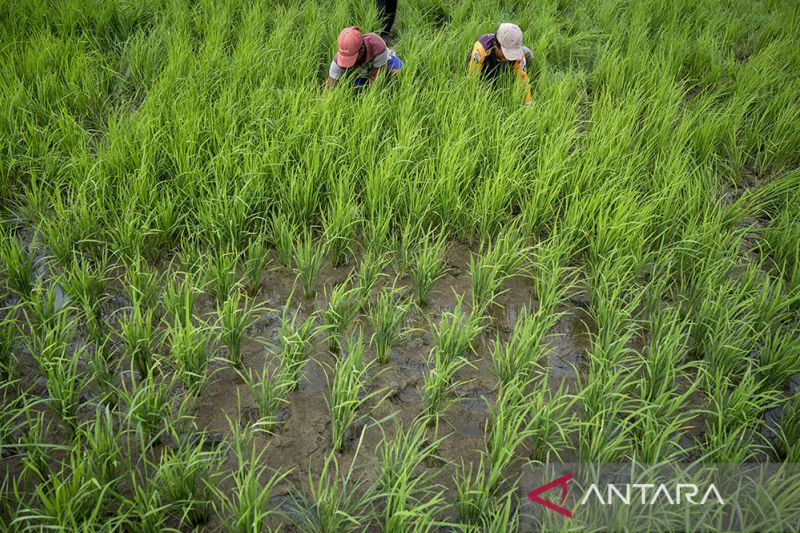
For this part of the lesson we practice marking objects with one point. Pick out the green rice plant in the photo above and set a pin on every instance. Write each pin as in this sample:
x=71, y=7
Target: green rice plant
x=663, y=365
x=148, y=512
x=369, y=270
x=68, y=499
x=233, y=320
x=456, y=331
x=438, y=384
x=139, y=339
x=500, y=261
x=296, y=340
x=185, y=473
x=244, y=504
x=142, y=283
x=510, y=426
x=339, y=224
x=473, y=499
x=779, y=356
x=334, y=500
x=8, y=356
x=102, y=447
x=270, y=391
x=178, y=299
x=221, y=274
x=411, y=498
x=85, y=284
x=282, y=235
x=255, y=262
x=660, y=424
x=376, y=234
x=733, y=420
x=552, y=422
x=64, y=384
x=18, y=266
x=386, y=318
x=524, y=350
x=348, y=394
x=788, y=447
x=405, y=247
x=308, y=262
x=45, y=307
x=427, y=265
x=38, y=451
x=147, y=403
x=189, y=349
x=342, y=309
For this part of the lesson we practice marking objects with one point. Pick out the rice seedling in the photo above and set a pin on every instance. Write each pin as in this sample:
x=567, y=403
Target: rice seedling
x=510, y=426
x=102, y=447
x=178, y=299
x=139, y=338
x=282, y=236
x=142, y=284
x=269, y=390
x=438, y=385
x=386, y=318
x=69, y=498
x=147, y=403
x=488, y=272
x=308, y=262
x=8, y=357
x=246, y=506
x=369, y=271
x=221, y=274
x=427, y=265
x=456, y=331
x=185, y=473
x=233, y=319
x=18, y=265
x=523, y=352
x=339, y=225
x=342, y=309
x=255, y=262
x=189, y=349
x=348, y=393
x=64, y=384
x=789, y=438
x=335, y=501
x=411, y=498
x=296, y=340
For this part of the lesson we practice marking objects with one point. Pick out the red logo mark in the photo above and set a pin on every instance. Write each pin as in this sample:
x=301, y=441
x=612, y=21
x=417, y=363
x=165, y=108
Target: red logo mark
x=558, y=482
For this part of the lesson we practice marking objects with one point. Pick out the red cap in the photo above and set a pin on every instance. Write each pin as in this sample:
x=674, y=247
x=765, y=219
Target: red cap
x=350, y=41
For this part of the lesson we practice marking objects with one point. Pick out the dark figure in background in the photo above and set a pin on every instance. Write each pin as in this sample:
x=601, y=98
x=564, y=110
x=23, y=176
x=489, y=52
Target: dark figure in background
x=387, y=9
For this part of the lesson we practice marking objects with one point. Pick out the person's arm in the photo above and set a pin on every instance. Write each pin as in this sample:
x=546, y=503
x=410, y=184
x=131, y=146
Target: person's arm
x=379, y=64
x=334, y=74
x=476, y=57
x=521, y=72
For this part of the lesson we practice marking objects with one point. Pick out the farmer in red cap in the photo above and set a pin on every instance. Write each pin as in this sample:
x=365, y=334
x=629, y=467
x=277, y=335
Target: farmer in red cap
x=362, y=55
x=503, y=49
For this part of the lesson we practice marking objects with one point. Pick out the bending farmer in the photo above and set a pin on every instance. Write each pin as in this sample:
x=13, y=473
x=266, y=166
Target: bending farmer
x=363, y=57
x=503, y=49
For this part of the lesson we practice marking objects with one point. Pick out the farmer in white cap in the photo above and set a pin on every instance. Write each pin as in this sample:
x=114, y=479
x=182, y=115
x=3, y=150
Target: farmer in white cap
x=361, y=56
x=494, y=51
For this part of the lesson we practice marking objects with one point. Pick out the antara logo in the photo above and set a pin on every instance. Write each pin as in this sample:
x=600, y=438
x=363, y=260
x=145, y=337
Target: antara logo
x=661, y=493
x=646, y=493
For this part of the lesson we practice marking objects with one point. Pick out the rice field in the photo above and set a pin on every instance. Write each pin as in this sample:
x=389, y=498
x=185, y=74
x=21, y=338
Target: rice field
x=231, y=299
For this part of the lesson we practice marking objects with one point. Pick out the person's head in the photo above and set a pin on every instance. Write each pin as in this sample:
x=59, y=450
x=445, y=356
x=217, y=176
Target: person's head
x=350, y=41
x=509, y=37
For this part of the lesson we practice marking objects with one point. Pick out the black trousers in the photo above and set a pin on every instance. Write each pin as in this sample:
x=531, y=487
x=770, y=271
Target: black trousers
x=387, y=9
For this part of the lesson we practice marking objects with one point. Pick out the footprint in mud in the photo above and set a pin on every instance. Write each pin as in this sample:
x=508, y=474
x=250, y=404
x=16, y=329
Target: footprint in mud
x=411, y=368
x=406, y=395
x=473, y=400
